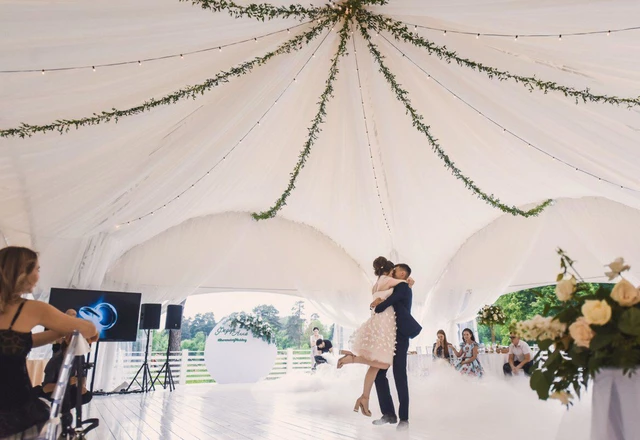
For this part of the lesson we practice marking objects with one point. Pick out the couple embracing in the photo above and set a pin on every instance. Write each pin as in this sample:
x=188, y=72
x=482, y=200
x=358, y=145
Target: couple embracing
x=383, y=341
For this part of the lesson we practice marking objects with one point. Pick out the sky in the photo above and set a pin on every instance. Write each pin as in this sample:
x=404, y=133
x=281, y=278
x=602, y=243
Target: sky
x=223, y=304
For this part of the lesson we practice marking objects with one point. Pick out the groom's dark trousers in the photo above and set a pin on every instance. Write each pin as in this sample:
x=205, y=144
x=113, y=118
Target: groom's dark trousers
x=400, y=376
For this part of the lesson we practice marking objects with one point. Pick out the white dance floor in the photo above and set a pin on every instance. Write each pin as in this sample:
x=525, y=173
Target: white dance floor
x=444, y=406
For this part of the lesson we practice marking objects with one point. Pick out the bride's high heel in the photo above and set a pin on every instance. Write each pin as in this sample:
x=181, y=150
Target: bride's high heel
x=362, y=404
x=343, y=360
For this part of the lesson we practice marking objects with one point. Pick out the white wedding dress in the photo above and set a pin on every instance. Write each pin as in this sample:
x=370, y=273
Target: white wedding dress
x=375, y=340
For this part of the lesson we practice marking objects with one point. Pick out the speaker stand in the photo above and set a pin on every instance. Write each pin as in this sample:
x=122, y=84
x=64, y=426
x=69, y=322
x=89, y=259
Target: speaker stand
x=168, y=376
x=147, y=384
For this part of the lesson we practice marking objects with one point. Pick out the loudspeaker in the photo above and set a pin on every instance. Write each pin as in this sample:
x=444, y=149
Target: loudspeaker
x=150, y=316
x=174, y=317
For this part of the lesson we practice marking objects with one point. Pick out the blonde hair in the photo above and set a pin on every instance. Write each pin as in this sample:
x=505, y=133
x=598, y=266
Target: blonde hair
x=16, y=264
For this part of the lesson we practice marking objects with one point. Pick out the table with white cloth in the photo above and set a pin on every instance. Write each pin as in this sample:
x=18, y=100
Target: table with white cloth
x=493, y=362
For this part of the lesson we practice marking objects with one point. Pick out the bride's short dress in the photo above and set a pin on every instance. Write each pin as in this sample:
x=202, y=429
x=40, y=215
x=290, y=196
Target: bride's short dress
x=375, y=340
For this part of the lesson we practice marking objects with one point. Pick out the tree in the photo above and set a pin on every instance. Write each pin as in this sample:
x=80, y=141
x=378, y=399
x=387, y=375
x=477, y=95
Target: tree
x=202, y=323
x=197, y=343
x=270, y=314
x=295, y=323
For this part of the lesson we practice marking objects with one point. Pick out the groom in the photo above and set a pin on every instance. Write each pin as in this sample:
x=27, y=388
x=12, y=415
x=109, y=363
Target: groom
x=406, y=327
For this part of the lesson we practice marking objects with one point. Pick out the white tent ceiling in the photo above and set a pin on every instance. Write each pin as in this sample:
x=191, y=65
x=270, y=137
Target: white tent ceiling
x=71, y=196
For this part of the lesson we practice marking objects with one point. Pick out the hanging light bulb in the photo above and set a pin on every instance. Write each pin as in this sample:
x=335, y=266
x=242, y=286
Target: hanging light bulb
x=139, y=63
x=477, y=36
x=608, y=33
x=43, y=71
x=559, y=37
x=181, y=57
x=94, y=68
x=516, y=39
x=220, y=49
x=255, y=39
x=444, y=33
x=415, y=28
x=288, y=31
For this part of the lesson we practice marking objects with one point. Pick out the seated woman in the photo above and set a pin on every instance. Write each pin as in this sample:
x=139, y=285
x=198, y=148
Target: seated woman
x=51, y=373
x=21, y=412
x=442, y=349
x=468, y=363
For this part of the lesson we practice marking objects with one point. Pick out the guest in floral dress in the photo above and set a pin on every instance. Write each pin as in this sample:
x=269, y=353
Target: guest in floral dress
x=468, y=362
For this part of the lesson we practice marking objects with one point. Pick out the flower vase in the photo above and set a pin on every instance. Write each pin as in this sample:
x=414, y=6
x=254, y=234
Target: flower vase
x=493, y=336
x=615, y=403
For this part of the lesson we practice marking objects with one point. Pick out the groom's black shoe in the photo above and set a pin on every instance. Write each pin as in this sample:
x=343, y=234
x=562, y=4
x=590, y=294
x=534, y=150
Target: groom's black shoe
x=386, y=419
x=403, y=425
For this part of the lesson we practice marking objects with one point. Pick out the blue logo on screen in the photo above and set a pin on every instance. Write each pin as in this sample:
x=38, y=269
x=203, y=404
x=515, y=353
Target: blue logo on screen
x=102, y=314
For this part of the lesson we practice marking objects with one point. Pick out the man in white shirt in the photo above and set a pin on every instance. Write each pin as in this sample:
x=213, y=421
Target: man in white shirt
x=519, y=357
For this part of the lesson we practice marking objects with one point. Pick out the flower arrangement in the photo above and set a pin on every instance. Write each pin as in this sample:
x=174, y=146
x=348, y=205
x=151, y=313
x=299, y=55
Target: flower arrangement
x=258, y=327
x=587, y=332
x=491, y=315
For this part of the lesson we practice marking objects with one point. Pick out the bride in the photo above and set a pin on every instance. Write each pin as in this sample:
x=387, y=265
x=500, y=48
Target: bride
x=374, y=342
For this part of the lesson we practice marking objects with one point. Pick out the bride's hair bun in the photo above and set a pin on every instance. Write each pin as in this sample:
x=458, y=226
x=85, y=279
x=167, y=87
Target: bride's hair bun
x=381, y=266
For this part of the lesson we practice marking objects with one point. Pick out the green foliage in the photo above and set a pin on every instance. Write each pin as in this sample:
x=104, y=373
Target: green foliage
x=258, y=327
x=270, y=314
x=261, y=11
x=402, y=33
x=197, y=343
x=159, y=340
x=314, y=130
x=403, y=96
x=294, y=326
x=64, y=125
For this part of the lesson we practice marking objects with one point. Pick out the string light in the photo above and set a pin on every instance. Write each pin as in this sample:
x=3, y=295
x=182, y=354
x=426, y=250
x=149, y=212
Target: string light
x=537, y=35
x=366, y=128
x=516, y=38
x=139, y=63
x=164, y=57
x=94, y=68
x=181, y=57
x=43, y=71
x=560, y=37
x=504, y=129
x=208, y=172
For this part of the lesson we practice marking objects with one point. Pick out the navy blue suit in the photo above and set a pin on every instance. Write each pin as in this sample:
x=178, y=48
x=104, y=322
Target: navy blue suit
x=406, y=327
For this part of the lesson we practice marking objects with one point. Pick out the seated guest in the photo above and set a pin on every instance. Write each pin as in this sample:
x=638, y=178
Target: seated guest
x=51, y=373
x=22, y=413
x=324, y=346
x=468, y=363
x=519, y=357
x=442, y=349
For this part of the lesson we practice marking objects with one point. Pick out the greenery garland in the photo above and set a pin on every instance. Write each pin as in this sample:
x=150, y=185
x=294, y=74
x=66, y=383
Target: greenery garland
x=402, y=96
x=401, y=32
x=314, y=130
x=64, y=125
x=261, y=11
x=255, y=324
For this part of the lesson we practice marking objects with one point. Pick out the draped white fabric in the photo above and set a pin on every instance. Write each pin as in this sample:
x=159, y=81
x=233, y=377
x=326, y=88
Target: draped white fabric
x=65, y=194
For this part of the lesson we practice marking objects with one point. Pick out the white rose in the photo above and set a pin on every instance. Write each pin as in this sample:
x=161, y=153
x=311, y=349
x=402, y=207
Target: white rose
x=565, y=289
x=562, y=396
x=596, y=312
x=625, y=294
x=581, y=332
x=495, y=317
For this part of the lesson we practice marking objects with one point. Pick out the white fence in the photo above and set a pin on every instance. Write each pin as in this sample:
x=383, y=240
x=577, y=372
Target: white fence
x=187, y=367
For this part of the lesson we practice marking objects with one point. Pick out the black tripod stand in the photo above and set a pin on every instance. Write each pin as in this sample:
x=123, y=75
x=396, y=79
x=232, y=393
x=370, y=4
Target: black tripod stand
x=168, y=376
x=147, y=383
x=80, y=430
